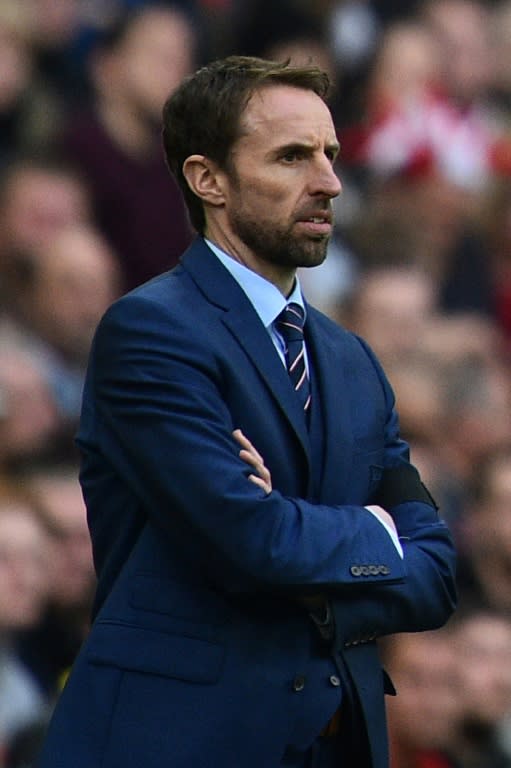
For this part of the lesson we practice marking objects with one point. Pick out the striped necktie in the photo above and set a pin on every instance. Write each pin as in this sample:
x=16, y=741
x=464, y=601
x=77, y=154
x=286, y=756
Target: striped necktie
x=290, y=325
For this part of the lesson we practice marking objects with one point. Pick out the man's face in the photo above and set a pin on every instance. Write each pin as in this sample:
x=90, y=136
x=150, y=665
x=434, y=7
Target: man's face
x=281, y=181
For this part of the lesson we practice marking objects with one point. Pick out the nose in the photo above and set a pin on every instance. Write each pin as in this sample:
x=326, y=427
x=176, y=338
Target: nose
x=326, y=182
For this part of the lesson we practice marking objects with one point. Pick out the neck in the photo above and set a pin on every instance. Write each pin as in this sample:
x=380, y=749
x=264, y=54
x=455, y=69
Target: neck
x=283, y=277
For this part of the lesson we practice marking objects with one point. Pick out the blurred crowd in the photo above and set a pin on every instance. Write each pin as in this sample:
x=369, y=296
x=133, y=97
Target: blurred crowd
x=420, y=266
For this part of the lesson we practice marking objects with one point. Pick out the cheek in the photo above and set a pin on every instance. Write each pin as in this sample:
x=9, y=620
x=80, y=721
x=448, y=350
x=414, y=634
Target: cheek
x=274, y=196
x=269, y=207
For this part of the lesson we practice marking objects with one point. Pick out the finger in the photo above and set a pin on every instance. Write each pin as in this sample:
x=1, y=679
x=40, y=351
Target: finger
x=245, y=443
x=249, y=458
x=242, y=440
x=264, y=474
x=260, y=482
x=255, y=453
x=238, y=435
x=253, y=458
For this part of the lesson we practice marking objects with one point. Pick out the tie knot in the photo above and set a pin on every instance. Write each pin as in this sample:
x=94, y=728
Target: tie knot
x=290, y=322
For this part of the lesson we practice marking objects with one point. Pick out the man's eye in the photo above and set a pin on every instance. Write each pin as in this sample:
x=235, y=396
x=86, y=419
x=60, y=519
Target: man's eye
x=292, y=157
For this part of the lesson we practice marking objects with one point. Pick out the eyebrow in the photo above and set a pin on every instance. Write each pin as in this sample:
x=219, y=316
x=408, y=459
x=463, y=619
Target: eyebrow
x=333, y=147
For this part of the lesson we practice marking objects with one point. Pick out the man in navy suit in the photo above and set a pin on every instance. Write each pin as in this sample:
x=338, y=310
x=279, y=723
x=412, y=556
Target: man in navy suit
x=254, y=531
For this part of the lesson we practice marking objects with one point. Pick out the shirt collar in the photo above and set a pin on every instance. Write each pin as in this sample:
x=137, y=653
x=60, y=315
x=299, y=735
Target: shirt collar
x=265, y=297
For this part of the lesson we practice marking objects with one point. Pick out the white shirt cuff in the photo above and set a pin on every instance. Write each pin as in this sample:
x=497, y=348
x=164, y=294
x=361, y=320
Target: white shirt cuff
x=392, y=533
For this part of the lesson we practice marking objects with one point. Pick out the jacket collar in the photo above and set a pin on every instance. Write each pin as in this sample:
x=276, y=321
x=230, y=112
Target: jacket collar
x=220, y=288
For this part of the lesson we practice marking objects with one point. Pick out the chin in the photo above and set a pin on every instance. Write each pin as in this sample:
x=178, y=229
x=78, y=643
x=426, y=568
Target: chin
x=311, y=263
x=315, y=257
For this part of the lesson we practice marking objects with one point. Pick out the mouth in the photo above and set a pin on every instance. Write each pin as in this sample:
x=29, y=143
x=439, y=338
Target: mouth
x=320, y=224
x=320, y=219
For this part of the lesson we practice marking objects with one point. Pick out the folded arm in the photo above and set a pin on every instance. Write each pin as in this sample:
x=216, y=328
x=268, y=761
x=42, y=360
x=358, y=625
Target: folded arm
x=164, y=423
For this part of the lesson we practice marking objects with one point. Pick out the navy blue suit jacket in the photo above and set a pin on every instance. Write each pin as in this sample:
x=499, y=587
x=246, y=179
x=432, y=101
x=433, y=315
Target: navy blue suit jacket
x=200, y=653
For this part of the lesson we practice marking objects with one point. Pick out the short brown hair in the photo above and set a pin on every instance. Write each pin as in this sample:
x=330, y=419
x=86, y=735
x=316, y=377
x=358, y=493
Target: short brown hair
x=203, y=115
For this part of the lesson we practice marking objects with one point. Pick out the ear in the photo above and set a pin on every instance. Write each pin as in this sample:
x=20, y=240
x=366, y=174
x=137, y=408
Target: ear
x=205, y=179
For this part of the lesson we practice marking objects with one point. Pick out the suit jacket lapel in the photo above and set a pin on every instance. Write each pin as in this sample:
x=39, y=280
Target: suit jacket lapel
x=220, y=288
x=329, y=356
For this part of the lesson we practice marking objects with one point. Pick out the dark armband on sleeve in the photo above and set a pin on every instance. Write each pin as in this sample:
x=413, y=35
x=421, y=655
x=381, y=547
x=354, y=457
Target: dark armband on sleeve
x=402, y=484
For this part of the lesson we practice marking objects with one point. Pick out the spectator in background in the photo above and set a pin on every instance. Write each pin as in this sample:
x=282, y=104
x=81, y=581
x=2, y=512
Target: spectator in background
x=301, y=49
x=29, y=422
x=399, y=103
x=496, y=226
x=453, y=692
x=23, y=574
x=426, y=158
x=482, y=650
x=290, y=19
x=134, y=66
x=390, y=307
x=453, y=393
x=426, y=711
x=462, y=31
x=58, y=293
x=56, y=31
x=421, y=217
x=417, y=384
x=453, y=338
x=30, y=110
x=477, y=407
x=38, y=198
x=48, y=647
x=484, y=573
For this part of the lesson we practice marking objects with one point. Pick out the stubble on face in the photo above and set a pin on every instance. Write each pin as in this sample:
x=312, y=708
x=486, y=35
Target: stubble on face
x=276, y=244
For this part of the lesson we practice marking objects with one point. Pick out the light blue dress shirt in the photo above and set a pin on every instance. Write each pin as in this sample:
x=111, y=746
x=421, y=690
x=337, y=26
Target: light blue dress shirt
x=265, y=297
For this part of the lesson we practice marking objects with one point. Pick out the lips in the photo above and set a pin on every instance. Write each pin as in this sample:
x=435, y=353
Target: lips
x=317, y=223
x=317, y=218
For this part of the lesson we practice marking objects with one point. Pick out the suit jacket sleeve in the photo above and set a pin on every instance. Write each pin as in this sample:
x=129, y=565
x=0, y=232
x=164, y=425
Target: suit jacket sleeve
x=419, y=601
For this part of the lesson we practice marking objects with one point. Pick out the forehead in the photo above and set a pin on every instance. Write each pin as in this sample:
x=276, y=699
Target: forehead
x=281, y=114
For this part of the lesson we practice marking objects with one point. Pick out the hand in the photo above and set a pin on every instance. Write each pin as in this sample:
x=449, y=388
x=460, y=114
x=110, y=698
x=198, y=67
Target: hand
x=263, y=479
x=253, y=458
